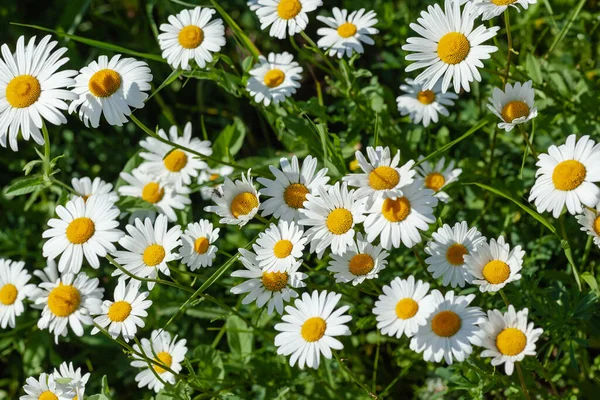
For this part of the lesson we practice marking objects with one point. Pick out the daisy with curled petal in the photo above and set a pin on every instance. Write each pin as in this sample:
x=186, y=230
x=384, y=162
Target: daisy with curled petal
x=14, y=288
x=309, y=329
x=403, y=307
x=210, y=178
x=514, y=105
x=197, y=248
x=76, y=381
x=280, y=246
x=489, y=9
x=590, y=223
x=44, y=388
x=288, y=190
x=149, y=248
x=31, y=89
x=450, y=330
x=285, y=15
x=191, y=35
x=85, y=187
x=424, y=105
x=447, y=248
x=166, y=351
x=361, y=261
x=507, y=337
x=437, y=176
x=345, y=33
x=84, y=229
x=110, y=87
x=274, y=78
x=271, y=288
x=566, y=176
x=449, y=46
x=236, y=202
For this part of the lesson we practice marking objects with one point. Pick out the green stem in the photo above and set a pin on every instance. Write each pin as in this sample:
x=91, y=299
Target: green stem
x=321, y=54
x=504, y=298
x=262, y=219
x=523, y=386
x=422, y=263
x=64, y=186
x=510, y=49
x=47, y=165
x=354, y=378
x=529, y=144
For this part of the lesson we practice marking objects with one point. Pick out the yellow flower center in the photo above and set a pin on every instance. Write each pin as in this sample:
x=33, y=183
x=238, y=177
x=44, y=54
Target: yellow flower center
x=384, y=178
x=496, y=272
x=153, y=193
x=514, y=109
x=426, y=96
x=361, y=264
x=511, y=341
x=64, y=300
x=274, y=281
x=346, y=30
x=22, y=91
x=154, y=255
x=288, y=9
x=243, y=204
x=80, y=230
x=214, y=177
x=295, y=195
x=274, y=78
x=164, y=358
x=313, y=329
x=597, y=225
x=396, y=210
x=456, y=253
x=446, y=323
x=568, y=175
x=201, y=245
x=283, y=248
x=8, y=294
x=406, y=308
x=435, y=181
x=105, y=83
x=503, y=2
x=119, y=311
x=453, y=48
x=175, y=161
x=190, y=37
x=48, y=395
x=339, y=221
x=354, y=165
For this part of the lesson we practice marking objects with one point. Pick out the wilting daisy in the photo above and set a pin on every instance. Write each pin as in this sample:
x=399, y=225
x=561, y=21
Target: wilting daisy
x=424, y=105
x=76, y=381
x=124, y=315
x=273, y=288
x=197, y=248
x=381, y=175
x=171, y=165
x=280, y=246
x=331, y=214
x=14, y=288
x=236, y=202
x=164, y=198
x=447, y=248
x=285, y=15
x=85, y=187
x=84, y=228
x=514, y=105
x=450, y=330
x=494, y=265
x=149, y=248
x=191, y=35
x=210, y=179
x=361, y=261
x=403, y=307
x=449, y=46
x=400, y=220
x=345, y=33
x=288, y=190
x=590, y=223
x=507, y=337
x=309, y=329
x=275, y=78
x=44, y=388
x=437, y=176
x=32, y=91
x=71, y=300
x=565, y=177
x=489, y=9
x=166, y=352
x=111, y=88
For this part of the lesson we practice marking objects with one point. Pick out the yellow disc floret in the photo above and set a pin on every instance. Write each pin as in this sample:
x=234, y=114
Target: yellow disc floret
x=283, y=248
x=456, y=253
x=514, y=109
x=175, y=161
x=164, y=358
x=511, y=341
x=396, y=210
x=274, y=281
x=8, y=294
x=104, y=83
x=190, y=37
x=313, y=329
x=406, y=308
x=453, y=48
x=153, y=255
x=500, y=3
x=288, y=9
x=274, y=78
x=339, y=221
x=496, y=272
x=384, y=178
x=119, y=311
x=153, y=192
x=48, y=395
x=295, y=195
x=426, y=96
x=569, y=175
x=435, y=181
x=346, y=30
x=446, y=323
x=243, y=204
x=361, y=264
x=596, y=225
x=64, y=300
x=80, y=230
x=201, y=245
x=22, y=91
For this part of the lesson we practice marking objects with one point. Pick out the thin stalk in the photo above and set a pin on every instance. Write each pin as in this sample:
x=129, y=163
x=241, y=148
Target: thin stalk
x=422, y=263
x=64, y=186
x=504, y=298
x=510, y=49
x=262, y=219
x=47, y=165
x=523, y=386
x=529, y=144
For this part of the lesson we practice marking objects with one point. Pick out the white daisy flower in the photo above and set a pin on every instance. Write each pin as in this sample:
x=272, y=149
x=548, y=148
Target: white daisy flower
x=191, y=35
x=566, y=176
x=44, y=388
x=85, y=187
x=489, y=9
x=31, y=89
x=381, y=175
x=309, y=329
x=48, y=274
x=361, y=261
x=447, y=248
x=275, y=78
x=76, y=381
x=208, y=179
x=438, y=176
x=285, y=15
x=162, y=197
x=171, y=165
x=345, y=33
x=590, y=223
x=280, y=246
x=424, y=105
x=400, y=220
x=84, y=228
x=14, y=288
x=253, y=5
x=494, y=265
x=236, y=202
x=450, y=330
x=514, y=105
x=71, y=300
x=403, y=307
x=111, y=88
x=507, y=337
x=331, y=214
x=449, y=46
x=124, y=315
x=273, y=288
x=166, y=351
x=149, y=248
x=288, y=190
x=197, y=248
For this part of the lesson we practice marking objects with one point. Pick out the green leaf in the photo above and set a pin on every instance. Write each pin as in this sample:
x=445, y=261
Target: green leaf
x=105, y=387
x=170, y=79
x=239, y=338
x=210, y=366
x=237, y=31
x=230, y=140
x=98, y=396
x=591, y=281
x=24, y=186
x=534, y=68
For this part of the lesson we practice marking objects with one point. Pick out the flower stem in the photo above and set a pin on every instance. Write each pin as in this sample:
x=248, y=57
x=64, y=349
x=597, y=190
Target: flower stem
x=504, y=298
x=47, y=165
x=529, y=144
x=423, y=264
x=509, y=48
x=520, y=373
